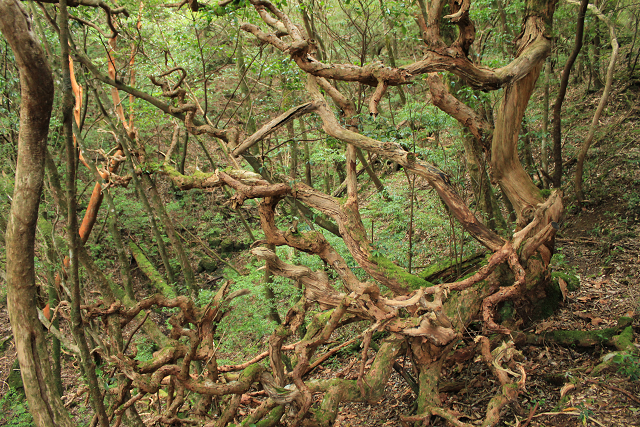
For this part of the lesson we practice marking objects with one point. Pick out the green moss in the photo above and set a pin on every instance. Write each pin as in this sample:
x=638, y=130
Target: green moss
x=14, y=380
x=506, y=312
x=545, y=307
x=577, y=338
x=545, y=192
x=436, y=268
x=149, y=365
x=150, y=271
x=443, y=269
x=196, y=179
x=392, y=271
x=251, y=371
x=317, y=323
x=624, y=341
x=573, y=282
x=323, y=417
x=272, y=417
x=207, y=264
x=624, y=321
x=45, y=227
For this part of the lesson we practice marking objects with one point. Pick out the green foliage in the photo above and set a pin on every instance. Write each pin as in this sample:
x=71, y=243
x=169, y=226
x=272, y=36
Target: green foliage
x=130, y=212
x=584, y=413
x=559, y=263
x=145, y=349
x=633, y=201
x=628, y=365
x=241, y=331
x=14, y=410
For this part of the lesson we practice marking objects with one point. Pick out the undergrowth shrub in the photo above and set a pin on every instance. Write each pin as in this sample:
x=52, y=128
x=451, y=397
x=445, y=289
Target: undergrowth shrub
x=14, y=411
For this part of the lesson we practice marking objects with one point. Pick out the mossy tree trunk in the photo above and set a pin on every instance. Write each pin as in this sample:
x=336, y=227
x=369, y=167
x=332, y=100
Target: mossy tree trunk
x=36, y=83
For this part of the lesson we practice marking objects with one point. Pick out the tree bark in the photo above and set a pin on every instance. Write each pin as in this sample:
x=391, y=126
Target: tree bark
x=36, y=84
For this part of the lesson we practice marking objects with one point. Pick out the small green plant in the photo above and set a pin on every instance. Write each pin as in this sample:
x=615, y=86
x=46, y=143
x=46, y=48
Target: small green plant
x=584, y=413
x=633, y=200
x=14, y=407
x=628, y=365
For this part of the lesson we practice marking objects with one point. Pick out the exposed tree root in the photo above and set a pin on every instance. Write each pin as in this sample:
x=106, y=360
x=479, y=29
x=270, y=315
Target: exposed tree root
x=576, y=338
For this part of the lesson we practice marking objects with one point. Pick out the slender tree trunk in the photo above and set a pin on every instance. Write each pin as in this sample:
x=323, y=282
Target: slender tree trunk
x=123, y=257
x=152, y=220
x=307, y=154
x=544, y=152
x=372, y=175
x=412, y=184
x=244, y=87
x=603, y=101
x=594, y=58
x=293, y=150
x=557, y=108
x=267, y=282
x=3, y=228
x=183, y=154
x=327, y=177
x=158, y=205
x=73, y=280
x=481, y=185
x=47, y=233
x=390, y=48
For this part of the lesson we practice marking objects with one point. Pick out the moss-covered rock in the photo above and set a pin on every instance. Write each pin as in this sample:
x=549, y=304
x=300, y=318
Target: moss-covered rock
x=15, y=379
x=214, y=242
x=226, y=246
x=207, y=264
x=546, y=306
x=241, y=245
x=624, y=341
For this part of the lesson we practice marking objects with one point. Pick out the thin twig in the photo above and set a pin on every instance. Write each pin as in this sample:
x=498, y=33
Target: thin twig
x=126, y=346
x=531, y=414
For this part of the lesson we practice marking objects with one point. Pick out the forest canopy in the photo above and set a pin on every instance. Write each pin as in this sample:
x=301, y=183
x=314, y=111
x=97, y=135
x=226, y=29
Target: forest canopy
x=206, y=201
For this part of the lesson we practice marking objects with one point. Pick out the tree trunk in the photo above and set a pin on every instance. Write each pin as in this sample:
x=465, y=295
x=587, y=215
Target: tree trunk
x=603, y=101
x=36, y=84
x=486, y=201
x=158, y=205
x=557, y=108
x=87, y=364
x=544, y=142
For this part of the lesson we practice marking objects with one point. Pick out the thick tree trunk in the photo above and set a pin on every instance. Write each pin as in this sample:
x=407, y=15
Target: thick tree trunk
x=36, y=84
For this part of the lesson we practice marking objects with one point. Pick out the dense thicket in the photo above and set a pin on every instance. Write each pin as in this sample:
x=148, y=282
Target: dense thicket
x=235, y=191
